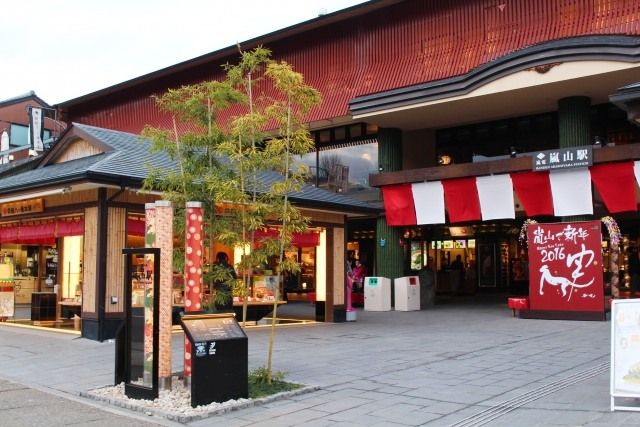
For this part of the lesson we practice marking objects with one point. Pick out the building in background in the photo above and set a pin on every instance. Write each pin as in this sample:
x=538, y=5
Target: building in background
x=434, y=91
x=15, y=127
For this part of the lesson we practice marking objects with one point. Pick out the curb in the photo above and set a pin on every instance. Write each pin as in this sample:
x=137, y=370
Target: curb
x=225, y=407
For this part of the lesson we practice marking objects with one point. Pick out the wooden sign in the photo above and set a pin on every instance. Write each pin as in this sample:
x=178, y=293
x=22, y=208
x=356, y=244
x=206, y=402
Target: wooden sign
x=22, y=207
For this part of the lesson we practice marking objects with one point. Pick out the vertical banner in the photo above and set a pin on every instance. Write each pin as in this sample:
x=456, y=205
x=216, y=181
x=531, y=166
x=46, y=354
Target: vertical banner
x=164, y=241
x=192, y=271
x=149, y=242
x=36, y=129
x=565, y=266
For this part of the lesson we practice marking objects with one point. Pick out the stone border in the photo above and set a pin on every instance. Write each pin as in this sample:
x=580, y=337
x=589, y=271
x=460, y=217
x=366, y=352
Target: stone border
x=222, y=408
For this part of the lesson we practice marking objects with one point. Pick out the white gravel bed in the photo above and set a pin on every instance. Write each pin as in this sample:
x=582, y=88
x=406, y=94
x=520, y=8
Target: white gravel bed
x=175, y=405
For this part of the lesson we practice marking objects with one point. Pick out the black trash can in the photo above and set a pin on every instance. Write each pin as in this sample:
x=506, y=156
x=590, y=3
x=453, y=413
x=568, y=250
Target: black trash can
x=219, y=358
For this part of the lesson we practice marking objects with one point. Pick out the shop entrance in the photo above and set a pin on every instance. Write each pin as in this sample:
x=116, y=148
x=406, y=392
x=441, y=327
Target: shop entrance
x=469, y=260
x=45, y=257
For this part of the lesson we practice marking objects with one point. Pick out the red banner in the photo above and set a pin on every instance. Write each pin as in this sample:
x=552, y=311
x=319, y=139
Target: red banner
x=565, y=266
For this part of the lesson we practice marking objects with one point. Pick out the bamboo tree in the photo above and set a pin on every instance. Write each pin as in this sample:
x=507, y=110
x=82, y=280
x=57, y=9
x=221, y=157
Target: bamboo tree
x=192, y=107
x=288, y=112
x=247, y=132
x=223, y=164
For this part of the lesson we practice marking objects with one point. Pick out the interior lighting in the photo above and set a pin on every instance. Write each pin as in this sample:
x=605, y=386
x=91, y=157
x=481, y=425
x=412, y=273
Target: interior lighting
x=444, y=159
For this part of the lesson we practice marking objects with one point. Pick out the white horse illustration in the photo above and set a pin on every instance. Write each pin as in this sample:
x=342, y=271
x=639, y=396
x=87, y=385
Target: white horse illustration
x=563, y=282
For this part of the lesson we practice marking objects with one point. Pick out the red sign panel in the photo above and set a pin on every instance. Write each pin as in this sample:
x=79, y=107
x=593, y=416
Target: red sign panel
x=565, y=266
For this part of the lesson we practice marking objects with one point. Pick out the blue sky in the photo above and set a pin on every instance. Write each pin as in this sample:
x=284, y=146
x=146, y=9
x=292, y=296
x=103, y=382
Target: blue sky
x=68, y=48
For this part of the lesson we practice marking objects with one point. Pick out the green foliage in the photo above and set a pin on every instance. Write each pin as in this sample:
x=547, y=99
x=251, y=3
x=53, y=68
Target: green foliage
x=220, y=163
x=262, y=383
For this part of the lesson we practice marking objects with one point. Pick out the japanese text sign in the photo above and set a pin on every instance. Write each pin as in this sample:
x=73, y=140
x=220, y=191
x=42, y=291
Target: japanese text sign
x=563, y=158
x=565, y=266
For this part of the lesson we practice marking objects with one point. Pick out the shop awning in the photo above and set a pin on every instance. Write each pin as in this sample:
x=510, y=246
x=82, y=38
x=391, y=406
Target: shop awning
x=302, y=240
x=135, y=226
x=41, y=232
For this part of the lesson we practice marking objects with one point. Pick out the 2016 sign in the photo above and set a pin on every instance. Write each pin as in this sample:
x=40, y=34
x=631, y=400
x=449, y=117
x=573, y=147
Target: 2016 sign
x=565, y=266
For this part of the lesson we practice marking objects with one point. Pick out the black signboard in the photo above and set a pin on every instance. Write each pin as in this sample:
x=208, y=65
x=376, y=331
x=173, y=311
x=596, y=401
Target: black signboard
x=563, y=158
x=141, y=328
x=211, y=327
x=220, y=358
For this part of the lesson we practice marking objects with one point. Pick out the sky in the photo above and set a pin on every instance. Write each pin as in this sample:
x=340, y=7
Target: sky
x=64, y=49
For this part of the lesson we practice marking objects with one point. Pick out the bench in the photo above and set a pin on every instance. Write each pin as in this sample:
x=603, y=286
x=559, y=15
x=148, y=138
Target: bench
x=518, y=303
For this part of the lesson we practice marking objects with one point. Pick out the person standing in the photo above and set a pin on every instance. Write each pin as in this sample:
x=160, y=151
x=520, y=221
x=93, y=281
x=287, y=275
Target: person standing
x=225, y=275
x=456, y=274
x=359, y=273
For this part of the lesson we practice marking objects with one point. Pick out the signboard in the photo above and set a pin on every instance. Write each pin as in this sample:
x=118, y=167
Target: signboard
x=625, y=351
x=565, y=266
x=563, y=158
x=211, y=327
x=22, y=207
x=142, y=326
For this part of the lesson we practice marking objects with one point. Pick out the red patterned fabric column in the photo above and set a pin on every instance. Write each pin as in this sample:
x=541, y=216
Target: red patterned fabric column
x=164, y=241
x=192, y=271
x=149, y=242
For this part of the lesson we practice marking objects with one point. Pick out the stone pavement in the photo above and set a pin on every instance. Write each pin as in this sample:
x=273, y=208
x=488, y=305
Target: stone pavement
x=454, y=365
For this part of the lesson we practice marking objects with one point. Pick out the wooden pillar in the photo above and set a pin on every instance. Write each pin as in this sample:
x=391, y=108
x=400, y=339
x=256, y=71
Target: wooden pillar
x=192, y=272
x=574, y=121
x=574, y=129
x=101, y=263
x=164, y=241
x=389, y=253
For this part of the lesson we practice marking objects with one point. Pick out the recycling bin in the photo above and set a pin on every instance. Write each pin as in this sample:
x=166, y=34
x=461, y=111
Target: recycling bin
x=219, y=358
x=377, y=294
x=407, y=293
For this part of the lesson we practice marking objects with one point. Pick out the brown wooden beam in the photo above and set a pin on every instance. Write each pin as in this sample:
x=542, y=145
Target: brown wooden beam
x=517, y=164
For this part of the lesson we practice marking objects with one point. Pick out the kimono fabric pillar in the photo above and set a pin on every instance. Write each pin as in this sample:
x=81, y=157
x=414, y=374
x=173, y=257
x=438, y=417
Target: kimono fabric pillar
x=192, y=272
x=149, y=242
x=164, y=241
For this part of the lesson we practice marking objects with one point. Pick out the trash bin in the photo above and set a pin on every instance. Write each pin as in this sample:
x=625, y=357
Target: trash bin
x=407, y=293
x=377, y=294
x=219, y=358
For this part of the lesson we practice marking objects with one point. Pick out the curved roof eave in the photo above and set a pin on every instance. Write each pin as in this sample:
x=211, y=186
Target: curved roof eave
x=618, y=48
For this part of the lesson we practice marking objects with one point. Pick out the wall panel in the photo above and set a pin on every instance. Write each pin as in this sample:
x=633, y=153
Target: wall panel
x=89, y=277
x=117, y=240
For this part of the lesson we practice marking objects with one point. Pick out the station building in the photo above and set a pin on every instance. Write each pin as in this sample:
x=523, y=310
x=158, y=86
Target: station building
x=441, y=91
x=419, y=91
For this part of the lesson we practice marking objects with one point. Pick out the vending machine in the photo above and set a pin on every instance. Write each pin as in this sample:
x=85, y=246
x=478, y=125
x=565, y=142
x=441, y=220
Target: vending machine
x=377, y=294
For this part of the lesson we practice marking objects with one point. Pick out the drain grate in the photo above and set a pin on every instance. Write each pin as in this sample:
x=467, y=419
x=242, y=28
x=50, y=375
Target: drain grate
x=490, y=414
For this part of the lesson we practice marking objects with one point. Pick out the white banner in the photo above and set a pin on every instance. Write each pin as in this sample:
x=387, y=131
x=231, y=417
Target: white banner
x=36, y=130
x=495, y=193
x=4, y=141
x=571, y=192
x=428, y=199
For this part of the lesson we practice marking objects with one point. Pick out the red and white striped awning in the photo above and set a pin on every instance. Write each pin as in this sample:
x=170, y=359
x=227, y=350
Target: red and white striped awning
x=556, y=192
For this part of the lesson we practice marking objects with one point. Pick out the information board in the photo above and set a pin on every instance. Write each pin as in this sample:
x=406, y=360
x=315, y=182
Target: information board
x=625, y=351
x=565, y=266
x=211, y=327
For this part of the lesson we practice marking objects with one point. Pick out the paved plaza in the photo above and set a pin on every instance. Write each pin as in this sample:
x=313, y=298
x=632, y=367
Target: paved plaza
x=463, y=364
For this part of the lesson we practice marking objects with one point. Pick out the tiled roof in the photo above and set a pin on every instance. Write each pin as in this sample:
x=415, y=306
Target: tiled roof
x=126, y=160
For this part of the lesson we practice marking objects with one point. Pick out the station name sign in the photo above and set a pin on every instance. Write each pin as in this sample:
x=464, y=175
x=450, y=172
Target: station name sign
x=563, y=158
x=22, y=207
